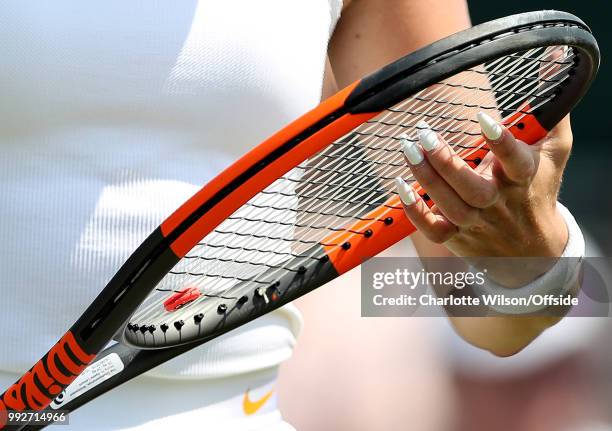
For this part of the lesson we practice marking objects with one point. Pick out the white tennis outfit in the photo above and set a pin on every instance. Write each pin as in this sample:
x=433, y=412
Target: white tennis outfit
x=112, y=113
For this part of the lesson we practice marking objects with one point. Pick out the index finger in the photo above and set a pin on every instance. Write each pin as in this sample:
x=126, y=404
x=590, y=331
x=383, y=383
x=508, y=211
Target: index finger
x=517, y=160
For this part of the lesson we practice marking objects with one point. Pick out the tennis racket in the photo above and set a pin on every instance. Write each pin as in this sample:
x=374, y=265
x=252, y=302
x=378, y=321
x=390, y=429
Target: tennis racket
x=311, y=202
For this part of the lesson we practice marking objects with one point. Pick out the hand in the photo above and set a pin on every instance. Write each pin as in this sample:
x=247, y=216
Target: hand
x=504, y=208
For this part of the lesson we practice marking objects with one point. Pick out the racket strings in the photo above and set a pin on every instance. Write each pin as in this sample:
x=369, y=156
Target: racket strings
x=283, y=227
x=307, y=211
x=390, y=177
x=397, y=164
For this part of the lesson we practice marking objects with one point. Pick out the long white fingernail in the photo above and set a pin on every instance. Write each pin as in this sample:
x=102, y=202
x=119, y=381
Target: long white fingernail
x=406, y=193
x=411, y=150
x=491, y=128
x=428, y=138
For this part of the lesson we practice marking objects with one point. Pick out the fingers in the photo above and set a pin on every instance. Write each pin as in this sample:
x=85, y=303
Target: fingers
x=435, y=227
x=475, y=190
x=459, y=191
x=448, y=200
x=516, y=159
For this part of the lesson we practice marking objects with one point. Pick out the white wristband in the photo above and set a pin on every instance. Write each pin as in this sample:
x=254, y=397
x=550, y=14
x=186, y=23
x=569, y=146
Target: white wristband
x=557, y=281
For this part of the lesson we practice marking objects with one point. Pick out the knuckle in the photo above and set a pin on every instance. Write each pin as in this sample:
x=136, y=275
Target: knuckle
x=423, y=174
x=482, y=197
x=506, y=146
x=452, y=164
x=446, y=156
x=463, y=216
x=530, y=168
x=438, y=236
x=476, y=229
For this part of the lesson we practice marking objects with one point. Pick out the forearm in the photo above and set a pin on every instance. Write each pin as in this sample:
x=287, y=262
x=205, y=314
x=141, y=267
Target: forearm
x=505, y=335
x=502, y=335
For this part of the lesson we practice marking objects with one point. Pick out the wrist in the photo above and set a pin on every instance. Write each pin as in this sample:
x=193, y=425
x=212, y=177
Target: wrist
x=562, y=277
x=545, y=238
x=555, y=233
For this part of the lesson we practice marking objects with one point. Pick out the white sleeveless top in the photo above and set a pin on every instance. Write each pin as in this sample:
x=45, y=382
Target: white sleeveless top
x=112, y=113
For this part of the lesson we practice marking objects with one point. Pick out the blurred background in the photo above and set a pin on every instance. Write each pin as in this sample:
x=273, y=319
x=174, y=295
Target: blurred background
x=571, y=389
x=416, y=374
x=588, y=179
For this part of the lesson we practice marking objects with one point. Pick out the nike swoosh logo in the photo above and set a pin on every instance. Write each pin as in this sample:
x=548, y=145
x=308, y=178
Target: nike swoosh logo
x=251, y=407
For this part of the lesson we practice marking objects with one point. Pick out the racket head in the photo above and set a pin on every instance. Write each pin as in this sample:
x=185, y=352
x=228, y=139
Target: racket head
x=275, y=242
